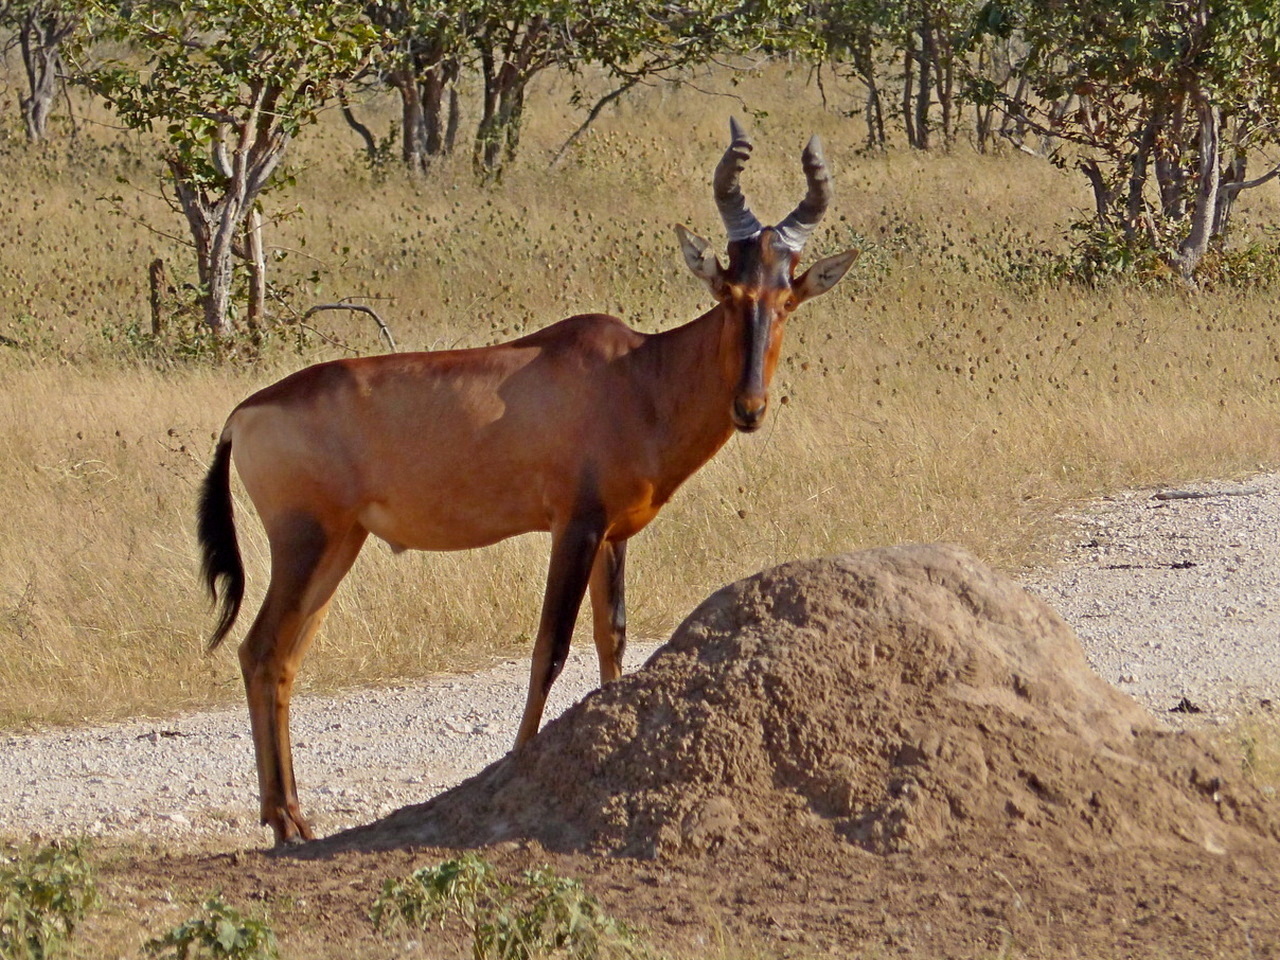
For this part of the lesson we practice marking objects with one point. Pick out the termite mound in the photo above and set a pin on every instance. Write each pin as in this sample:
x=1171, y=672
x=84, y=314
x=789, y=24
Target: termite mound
x=894, y=699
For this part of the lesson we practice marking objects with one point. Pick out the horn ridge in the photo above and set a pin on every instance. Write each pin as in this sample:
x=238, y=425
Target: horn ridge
x=739, y=221
x=796, y=229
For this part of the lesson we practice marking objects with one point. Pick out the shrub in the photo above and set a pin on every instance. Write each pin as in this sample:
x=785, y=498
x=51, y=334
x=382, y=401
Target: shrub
x=542, y=914
x=221, y=931
x=43, y=895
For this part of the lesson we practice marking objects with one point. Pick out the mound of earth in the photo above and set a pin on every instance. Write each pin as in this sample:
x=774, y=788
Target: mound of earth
x=895, y=699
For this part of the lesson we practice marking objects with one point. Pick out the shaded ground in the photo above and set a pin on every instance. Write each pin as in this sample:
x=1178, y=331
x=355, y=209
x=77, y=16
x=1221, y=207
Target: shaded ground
x=897, y=750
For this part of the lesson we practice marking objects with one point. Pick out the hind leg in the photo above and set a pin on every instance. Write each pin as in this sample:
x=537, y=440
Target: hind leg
x=307, y=564
x=609, y=608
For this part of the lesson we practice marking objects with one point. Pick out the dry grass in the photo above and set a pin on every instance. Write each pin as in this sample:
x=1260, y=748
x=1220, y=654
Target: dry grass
x=924, y=399
x=1256, y=738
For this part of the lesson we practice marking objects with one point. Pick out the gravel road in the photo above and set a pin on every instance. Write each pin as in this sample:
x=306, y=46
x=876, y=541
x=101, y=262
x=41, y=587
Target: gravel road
x=1175, y=595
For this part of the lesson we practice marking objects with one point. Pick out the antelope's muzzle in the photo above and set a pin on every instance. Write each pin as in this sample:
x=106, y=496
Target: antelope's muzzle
x=748, y=412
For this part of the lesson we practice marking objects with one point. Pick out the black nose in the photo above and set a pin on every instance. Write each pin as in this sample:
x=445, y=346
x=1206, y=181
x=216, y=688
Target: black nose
x=748, y=414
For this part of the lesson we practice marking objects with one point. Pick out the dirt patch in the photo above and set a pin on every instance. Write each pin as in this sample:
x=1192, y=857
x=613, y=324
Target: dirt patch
x=895, y=699
x=893, y=748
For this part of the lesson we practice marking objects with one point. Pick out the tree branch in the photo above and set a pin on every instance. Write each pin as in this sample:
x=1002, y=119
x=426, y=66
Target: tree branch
x=360, y=307
x=1231, y=189
x=603, y=102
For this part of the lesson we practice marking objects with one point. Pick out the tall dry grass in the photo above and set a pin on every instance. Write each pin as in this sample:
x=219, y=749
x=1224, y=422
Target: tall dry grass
x=926, y=398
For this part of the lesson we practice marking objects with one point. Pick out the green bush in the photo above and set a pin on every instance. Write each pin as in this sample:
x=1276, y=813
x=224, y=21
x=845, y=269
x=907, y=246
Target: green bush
x=541, y=915
x=221, y=931
x=44, y=895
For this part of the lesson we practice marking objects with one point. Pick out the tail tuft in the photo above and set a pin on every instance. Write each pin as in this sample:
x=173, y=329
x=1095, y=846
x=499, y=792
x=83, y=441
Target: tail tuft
x=217, y=533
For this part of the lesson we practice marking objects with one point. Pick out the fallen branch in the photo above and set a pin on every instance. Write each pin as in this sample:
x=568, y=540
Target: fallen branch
x=1205, y=494
x=386, y=332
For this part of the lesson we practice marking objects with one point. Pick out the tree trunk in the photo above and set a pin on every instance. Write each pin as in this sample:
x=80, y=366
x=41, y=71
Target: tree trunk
x=864, y=66
x=875, y=120
x=924, y=85
x=983, y=115
x=942, y=68
x=40, y=36
x=214, y=226
x=200, y=222
x=1171, y=174
x=1101, y=193
x=1229, y=190
x=513, y=119
x=412, y=143
x=1204, y=212
x=451, y=128
x=216, y=295
x=215, y=291
x=908, y=75
x=498, y=135
x=256, y=259
x=1135, y=207
x=432, y=98
x=486, y=130
x=159, y=283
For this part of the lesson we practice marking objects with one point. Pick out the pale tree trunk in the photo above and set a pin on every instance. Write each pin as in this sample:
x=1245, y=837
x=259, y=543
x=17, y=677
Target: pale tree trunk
x=215, y=283
x=256, y=258
x=247, y=161
x=1204, y=211
x=41, y=35
x=217, y=292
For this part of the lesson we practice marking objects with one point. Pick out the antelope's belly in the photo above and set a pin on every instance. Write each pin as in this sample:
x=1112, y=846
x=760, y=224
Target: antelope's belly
x=449, y=526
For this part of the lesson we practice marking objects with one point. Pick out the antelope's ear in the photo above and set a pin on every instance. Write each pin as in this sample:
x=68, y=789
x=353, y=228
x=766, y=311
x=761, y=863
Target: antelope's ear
x=701, y=259
x=823, y=275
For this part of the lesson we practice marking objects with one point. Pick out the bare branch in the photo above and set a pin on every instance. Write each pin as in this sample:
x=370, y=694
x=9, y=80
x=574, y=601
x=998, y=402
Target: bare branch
x=1231, y=189
x=603, y=102
x=360, y=307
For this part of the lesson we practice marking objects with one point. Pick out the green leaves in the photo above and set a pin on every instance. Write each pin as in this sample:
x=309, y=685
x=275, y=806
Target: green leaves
x=542, y=914
x=232, y=83
x=198, y=64
x=220, y=932
x=43, y=895
x=1150, y=99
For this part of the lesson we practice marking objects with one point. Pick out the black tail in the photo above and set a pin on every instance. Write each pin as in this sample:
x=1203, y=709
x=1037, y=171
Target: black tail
x=217, y=532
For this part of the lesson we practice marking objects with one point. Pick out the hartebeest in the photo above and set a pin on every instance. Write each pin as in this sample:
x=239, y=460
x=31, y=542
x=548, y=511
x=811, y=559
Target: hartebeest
x=584, y=429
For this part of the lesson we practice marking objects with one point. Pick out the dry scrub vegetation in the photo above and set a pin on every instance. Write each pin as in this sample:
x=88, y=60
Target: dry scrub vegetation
x=935, y=395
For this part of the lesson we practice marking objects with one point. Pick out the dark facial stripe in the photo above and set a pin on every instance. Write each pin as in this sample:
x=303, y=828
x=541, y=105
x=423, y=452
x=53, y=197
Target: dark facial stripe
x=755, y=336
x=760, y=270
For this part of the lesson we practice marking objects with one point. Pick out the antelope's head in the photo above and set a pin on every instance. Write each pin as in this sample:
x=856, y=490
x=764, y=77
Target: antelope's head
x=759, y=288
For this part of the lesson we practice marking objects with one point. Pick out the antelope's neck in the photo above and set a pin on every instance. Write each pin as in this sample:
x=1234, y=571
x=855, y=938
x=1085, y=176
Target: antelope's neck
x=693, y=395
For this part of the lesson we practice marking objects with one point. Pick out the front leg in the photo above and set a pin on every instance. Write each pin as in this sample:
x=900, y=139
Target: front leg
x=609, y=608
x=573, y=554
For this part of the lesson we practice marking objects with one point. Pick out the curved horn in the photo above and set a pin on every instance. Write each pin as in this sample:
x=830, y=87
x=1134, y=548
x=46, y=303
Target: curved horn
x=795, y=230
x=738, y=218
